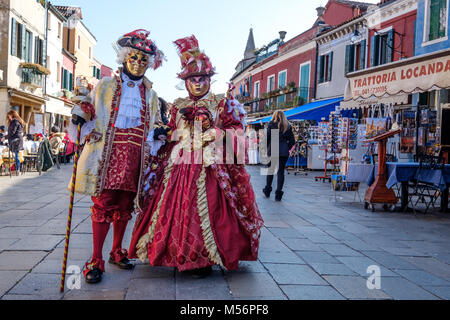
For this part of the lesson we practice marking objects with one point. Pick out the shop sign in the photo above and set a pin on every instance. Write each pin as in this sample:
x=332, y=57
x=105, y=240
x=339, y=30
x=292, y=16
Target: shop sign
x=405, y=76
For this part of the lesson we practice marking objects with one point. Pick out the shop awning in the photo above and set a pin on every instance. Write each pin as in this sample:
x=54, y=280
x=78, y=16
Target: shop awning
x=417, y=74
x=57, y=106
x=361, y=103
x=312, y=111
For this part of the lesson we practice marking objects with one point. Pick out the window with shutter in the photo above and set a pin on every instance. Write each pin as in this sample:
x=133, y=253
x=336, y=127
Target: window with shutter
x=390, y=46
x=22, y=41
x=36, y=49
x=437, y=19
x=13, y=37
x=42, y=52
x=374, y=48
x=320, y=68
x=70, y=81
x=98, y=74
x=330, y=65
x=362, y=55
x=349, y=58
x=63, y=78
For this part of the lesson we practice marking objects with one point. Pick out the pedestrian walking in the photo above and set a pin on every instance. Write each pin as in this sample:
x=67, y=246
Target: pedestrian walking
x=15, y=136
x=286, y=142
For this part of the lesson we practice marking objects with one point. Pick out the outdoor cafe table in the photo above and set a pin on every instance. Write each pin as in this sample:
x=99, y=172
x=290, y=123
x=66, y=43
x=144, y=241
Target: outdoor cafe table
x=399, y=172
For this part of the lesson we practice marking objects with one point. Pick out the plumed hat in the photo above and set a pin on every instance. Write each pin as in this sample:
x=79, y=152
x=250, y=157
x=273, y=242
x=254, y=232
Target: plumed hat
x=139, y=39
x=193, y=61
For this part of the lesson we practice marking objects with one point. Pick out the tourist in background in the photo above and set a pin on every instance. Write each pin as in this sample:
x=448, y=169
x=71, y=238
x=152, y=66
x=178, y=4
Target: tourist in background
x=286, y=142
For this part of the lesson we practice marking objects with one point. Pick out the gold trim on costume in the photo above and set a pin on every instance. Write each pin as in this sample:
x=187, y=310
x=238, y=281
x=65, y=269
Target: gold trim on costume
x=203, y=211
x=147, y=238
x=128, y=141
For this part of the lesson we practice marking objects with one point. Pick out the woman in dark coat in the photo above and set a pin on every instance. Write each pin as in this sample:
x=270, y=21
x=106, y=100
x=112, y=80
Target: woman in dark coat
x=15, y=135
x=286, y=141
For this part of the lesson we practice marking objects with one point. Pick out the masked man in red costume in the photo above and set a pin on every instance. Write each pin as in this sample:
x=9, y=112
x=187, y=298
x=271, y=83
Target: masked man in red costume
x=118, y=118
x=201, y=211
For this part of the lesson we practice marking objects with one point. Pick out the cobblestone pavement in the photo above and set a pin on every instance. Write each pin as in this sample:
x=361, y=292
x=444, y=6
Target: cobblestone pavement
x=313, y=246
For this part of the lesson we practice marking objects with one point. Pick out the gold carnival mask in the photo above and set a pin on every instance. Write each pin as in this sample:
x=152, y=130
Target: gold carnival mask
x=137, y=63
x=198, y=86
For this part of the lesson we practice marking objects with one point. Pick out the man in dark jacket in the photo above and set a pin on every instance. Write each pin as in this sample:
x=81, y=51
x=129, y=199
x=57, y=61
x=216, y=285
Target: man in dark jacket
x=286, y=141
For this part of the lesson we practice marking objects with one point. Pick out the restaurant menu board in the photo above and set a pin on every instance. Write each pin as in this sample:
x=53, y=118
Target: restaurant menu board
x=323, y=135
x=408, y=134
x=333, y=132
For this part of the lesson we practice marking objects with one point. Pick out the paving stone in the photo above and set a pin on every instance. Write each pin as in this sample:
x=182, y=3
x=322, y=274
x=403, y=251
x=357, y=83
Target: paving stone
x=317, y=257
x=360, y=265
x=306, y=292
x=37, y=242
x=214, y=287
x=55, y=266
x=95, y=295
x=6, y=243
x=279, y=257
x=355, y=287
x=323, y=239
x=250, y=266
x=8, y=279
x=339, y=250
x=405, y=252
x=422, y=278
x=360, y=245
x=431, y=265
x=310, y=231
x=332, y=269
x=389, y=260
x=402, y=289
x=256, y=285
x=151, y=289
x=294, y=274
x=301, y=245
x=43, y=285
x=441, y=292
x=286, y=233
x=8, y=231
x=147, y=271
x=20, y=260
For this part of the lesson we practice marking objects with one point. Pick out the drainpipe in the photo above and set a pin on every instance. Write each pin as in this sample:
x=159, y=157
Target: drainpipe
x=315, y=70
x=45, y=60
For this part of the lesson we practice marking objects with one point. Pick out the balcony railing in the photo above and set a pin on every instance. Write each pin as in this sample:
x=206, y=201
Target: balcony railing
x=32, y=77
x=33, y=74
x=276, y=100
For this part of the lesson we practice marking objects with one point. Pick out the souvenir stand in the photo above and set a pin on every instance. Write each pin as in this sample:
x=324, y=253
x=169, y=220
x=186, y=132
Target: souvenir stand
x=328, y=141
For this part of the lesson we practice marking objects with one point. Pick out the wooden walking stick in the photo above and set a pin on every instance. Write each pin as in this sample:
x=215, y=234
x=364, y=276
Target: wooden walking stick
x=69, y=219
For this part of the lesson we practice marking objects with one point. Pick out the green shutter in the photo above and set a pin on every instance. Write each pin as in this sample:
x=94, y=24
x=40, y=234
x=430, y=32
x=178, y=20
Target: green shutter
x=362, y=55
x=98, y=74
x=390, y=46
x=330, y=65
x=13, y=37
x=43, y=52
x=64, y=79
x=94, y=73
x=374, y=48
x=36, y=49
x=349, y=58
x=442, y=13
x=320, y=68
x=70, y=81
x=23, y=43
x=435, y=9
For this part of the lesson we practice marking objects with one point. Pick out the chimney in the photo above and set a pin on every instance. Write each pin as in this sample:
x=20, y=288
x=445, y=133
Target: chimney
x=282, y=35
x=320, y=11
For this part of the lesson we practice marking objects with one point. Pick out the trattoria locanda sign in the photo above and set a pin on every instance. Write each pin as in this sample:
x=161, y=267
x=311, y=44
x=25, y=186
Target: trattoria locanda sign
x=405, y=76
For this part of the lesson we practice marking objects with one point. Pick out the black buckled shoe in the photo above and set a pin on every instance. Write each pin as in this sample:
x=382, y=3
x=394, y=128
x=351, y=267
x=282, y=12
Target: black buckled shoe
x=278, y=195
x=94, y=276
x=267, y=192
x=202, y=272
x=124, y=264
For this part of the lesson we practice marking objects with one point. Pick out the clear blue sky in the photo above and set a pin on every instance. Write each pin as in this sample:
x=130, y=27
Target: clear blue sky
x=221, y=27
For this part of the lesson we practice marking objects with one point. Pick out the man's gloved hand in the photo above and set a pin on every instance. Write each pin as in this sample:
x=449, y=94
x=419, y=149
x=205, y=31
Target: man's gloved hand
x=161, y=133
x=77, y=120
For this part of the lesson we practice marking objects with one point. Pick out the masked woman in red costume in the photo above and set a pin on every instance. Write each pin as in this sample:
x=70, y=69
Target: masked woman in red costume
x=200, y=209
